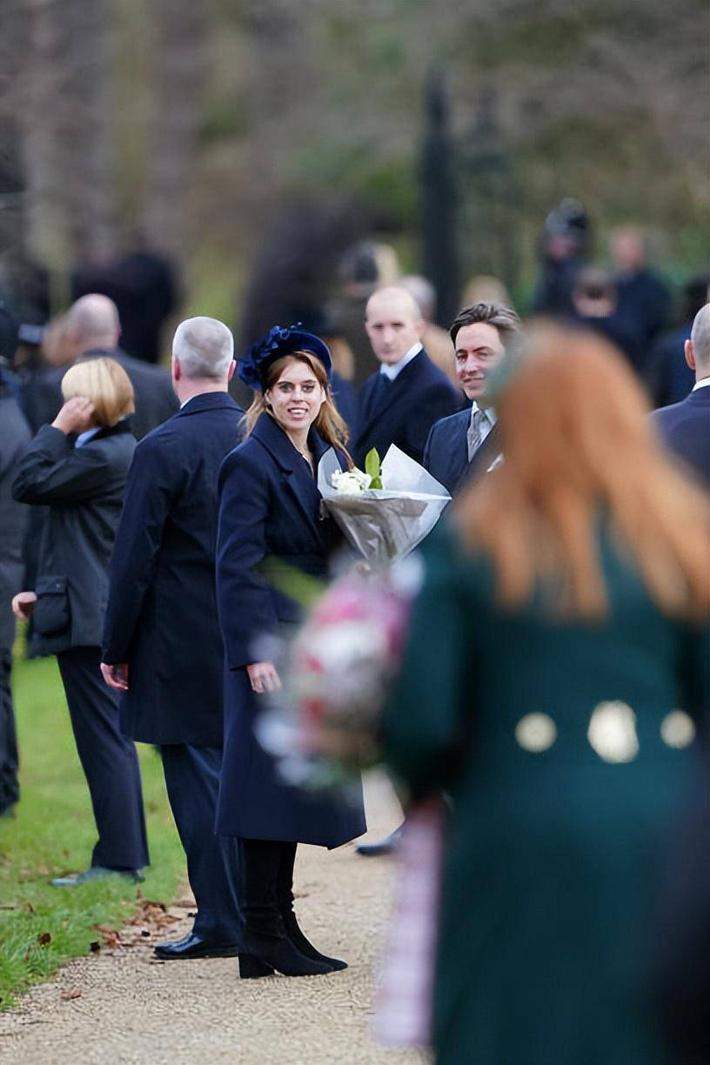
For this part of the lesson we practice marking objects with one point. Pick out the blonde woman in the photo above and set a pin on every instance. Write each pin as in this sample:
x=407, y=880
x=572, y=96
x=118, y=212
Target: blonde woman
x=77, y=468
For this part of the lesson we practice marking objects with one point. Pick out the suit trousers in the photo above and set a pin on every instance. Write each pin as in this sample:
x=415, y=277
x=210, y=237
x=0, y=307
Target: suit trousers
x=192, y=782
x=9, y=786
x=109, y=761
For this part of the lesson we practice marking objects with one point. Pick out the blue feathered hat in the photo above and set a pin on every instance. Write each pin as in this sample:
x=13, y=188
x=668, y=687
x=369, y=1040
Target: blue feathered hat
x=253, y=367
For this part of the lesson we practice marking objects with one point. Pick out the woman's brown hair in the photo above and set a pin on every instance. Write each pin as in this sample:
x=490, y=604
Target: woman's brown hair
x=578, y=443
x=329, y=422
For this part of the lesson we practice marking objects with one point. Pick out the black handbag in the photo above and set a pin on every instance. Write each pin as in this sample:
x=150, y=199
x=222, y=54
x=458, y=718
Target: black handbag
x=51, y=611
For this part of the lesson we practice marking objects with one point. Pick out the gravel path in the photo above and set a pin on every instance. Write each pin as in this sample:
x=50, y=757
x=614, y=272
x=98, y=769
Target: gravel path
x=121, y=1006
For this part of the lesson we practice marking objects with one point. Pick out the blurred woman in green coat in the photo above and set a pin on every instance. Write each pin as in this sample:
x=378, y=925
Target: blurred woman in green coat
x=556, y=671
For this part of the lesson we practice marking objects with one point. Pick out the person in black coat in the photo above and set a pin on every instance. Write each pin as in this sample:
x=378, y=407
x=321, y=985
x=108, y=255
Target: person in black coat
x=14, y=436
x=77, y=467
x=685, y=426
x=162, y=645
x=400, y=403
x=270, y=522
x=644, y=298
x=468, y=443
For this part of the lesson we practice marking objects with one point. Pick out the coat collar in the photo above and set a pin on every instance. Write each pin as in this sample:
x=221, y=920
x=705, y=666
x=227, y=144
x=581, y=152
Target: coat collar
x=397, y=389
x=208, y=401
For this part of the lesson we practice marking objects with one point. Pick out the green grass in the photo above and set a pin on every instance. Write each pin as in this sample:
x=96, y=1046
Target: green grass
x=42, y=927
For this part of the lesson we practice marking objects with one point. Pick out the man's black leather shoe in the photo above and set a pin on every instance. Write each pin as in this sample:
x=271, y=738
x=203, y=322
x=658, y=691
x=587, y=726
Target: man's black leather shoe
x=194, y=946
x=383, y=846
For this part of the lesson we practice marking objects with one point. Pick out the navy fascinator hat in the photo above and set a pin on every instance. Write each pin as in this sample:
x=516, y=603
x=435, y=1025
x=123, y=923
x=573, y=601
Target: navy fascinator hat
x=278, y=342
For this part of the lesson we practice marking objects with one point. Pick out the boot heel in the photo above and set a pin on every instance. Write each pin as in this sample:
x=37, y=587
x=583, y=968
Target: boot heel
x=251, y=967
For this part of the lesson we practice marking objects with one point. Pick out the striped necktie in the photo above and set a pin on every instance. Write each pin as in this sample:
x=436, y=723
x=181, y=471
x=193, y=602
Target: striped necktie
x=474, y=434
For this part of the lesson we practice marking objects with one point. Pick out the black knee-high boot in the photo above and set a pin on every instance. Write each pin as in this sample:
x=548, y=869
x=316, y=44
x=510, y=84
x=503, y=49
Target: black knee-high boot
x=285, y=901
x=267, y=946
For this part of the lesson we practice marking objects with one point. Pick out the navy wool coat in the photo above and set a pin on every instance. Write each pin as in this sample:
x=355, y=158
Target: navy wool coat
x=685, y=429
x=162, y=615
x=446, y=452
x=83, y=491
x=404, y=411
x=269, y=520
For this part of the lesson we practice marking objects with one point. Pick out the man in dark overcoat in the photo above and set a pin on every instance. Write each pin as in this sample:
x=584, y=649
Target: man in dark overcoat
x=685, y=426
x=401, y=401
x=14, y=436
x=468, y=443
x=162, y=643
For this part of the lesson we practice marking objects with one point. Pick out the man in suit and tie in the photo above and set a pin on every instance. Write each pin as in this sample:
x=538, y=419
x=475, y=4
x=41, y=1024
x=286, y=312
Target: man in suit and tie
x=399, y=403
x=467, y=444
x=162, y=644
x=685, y=426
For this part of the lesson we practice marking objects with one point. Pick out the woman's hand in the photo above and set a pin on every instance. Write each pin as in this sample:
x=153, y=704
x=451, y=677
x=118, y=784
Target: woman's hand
x=23, y=604
x=263, y=677
x=76, y=416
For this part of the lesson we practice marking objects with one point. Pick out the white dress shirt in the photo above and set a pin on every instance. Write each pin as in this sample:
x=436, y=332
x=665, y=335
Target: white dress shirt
x=393, y=369
x=704, y=382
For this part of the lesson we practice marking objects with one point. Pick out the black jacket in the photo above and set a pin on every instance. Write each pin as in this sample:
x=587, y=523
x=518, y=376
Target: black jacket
x=404, y=411
x=162, y=614
x=685, y=429
x=14, y=437
x=83, y=490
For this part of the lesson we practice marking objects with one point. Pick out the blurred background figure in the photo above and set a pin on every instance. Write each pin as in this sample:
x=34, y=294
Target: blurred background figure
x=14, y=436
x=556, y=669
x=685, y=426
x=484, y=288
x=436, y=341
x=644, y=298
x=364, y=267
x=91, y=330
x=143, y=284
x=564, y=247
x=669, y=377
x=77, y=468
x=595, y=306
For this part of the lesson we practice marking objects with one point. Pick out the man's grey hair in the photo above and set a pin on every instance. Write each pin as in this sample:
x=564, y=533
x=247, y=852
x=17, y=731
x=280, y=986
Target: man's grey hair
x=204, y=347
x=700, y=337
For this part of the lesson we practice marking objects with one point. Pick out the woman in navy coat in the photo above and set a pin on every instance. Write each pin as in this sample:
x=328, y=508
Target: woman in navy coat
x=270, y=520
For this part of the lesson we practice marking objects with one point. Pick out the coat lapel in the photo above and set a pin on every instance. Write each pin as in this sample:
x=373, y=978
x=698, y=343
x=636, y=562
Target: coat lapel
x=296, y=475
x=397, y=392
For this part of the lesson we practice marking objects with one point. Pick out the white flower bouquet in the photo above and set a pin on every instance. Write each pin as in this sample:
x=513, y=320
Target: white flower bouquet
x=386, y=510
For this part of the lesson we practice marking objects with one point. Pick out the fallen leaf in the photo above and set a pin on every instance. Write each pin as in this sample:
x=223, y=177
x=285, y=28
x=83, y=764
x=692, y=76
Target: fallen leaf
x=72, y=992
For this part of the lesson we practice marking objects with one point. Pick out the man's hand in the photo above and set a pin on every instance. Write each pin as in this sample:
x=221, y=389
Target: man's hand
x=76, y=416
x=263, y=677
x=23, y=604
x=116, y=676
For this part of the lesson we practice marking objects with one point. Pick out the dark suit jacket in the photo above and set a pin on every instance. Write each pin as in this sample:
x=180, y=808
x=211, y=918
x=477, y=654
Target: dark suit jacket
x=446, y=451
x=669, y=378
x=418, y=397
x=154, y=396
x=270, y=528
x=685, y=428
x=14, y=437
x=83, y=491
x=162, y=616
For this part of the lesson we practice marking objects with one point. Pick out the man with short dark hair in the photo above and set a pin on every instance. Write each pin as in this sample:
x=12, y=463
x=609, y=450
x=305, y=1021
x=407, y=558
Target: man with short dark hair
x=399, y=403
x=685, y=426
x=467, y=443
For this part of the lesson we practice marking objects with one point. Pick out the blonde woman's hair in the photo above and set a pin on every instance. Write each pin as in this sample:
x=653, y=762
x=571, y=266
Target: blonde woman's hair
x=578, y=443
x=329, y=422
x=106, y=384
